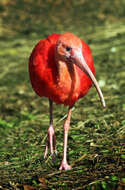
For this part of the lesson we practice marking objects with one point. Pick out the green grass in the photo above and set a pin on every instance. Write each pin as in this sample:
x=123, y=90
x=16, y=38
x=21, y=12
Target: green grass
x=98, y=154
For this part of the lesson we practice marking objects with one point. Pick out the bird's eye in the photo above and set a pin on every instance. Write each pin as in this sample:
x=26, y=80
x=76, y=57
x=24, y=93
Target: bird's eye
x=68, y=48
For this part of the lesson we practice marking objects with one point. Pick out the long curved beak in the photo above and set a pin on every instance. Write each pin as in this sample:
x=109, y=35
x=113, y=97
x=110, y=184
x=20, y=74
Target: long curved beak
x=80, y=62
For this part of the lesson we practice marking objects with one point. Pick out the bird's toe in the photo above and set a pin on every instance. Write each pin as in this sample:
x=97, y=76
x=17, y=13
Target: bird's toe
x=65, y=166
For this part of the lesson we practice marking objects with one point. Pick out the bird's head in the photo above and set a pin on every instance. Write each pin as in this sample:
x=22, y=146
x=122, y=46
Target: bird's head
x=69, y=50
x=67, y=45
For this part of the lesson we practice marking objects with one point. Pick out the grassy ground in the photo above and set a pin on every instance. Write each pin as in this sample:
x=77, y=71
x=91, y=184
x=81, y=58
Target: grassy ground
x=98, y=154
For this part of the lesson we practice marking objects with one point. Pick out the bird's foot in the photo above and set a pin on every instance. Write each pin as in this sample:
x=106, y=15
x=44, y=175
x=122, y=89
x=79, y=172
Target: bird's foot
x=50, y=144
x=65, y=166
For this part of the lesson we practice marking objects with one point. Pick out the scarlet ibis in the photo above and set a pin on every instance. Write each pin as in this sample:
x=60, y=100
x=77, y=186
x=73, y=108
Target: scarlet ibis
x=61, y=69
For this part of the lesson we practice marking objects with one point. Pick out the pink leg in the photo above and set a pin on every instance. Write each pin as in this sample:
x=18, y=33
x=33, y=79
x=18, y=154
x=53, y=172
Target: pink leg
x=51, y=134
x=64, y=164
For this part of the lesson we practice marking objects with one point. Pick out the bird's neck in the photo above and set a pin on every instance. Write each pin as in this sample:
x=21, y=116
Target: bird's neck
x=66, y=71
x=68, y=80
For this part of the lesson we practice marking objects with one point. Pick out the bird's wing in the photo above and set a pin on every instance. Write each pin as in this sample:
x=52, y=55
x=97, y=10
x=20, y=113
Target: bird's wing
x=42, y=64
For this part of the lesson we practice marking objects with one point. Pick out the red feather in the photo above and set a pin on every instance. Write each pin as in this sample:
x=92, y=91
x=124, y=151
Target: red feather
x=43, y=73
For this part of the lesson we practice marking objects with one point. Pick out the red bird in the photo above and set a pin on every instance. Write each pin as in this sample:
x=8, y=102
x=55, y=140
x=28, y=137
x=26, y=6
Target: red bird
x=61, y=69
